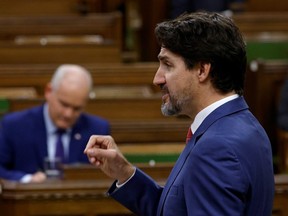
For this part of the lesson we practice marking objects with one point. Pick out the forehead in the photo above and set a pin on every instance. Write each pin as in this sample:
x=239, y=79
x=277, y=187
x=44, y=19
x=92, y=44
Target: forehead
x=166, y=54
x=72, y=94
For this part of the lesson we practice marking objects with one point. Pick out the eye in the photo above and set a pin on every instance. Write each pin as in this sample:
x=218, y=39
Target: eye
x=167, y=64
x=63, y=104
x=77, y=109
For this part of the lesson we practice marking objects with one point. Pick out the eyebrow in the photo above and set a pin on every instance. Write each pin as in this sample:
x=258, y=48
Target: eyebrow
x=163, y=57
x=64, y=103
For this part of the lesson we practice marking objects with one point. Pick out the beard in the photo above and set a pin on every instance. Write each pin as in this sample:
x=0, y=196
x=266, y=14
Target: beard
x=170, y=108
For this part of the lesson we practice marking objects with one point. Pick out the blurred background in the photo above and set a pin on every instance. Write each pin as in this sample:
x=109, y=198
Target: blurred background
x=114, y=39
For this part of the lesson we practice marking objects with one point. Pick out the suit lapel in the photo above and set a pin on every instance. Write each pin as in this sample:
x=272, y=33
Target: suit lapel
x=75, y=146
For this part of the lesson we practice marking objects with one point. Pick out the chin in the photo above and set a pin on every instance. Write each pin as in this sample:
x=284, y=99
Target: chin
x=167, y=110
x=63, y=125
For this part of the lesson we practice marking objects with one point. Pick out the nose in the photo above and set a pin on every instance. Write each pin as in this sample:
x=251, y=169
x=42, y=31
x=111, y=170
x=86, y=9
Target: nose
x=68, y=112
x=159, y=77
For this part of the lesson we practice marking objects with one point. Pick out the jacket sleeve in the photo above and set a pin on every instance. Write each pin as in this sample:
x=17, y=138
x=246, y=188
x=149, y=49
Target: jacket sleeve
x=140, y=194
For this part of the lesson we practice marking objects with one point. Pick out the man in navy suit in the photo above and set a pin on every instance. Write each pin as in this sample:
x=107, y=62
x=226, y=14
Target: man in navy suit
x=226, y=167
x=28, y=136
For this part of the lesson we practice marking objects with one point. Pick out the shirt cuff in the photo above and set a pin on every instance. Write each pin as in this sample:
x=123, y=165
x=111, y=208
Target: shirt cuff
x=26, y=178
x=120, y=185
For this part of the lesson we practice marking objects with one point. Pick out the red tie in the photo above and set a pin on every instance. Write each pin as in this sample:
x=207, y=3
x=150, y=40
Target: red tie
x=189, y=135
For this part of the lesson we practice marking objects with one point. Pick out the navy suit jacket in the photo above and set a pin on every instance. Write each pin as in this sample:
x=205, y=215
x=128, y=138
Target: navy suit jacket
x=225, y=169
x=23, y=141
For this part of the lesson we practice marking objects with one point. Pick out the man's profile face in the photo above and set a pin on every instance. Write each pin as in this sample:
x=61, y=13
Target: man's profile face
x=176, y=81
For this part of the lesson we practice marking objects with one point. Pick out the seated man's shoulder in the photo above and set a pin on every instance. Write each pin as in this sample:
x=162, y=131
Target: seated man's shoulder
x=22, y=114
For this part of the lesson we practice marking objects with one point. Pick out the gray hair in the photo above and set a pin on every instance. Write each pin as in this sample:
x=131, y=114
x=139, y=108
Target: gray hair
x=63, y=69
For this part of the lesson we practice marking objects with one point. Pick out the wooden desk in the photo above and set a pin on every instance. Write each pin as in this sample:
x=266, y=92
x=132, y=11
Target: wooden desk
x=55, y=198
x=82, y=192
x=280, y=207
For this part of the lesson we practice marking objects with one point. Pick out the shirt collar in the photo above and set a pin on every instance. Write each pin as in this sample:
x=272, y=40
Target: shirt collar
x=199, y=118
x=50, y=127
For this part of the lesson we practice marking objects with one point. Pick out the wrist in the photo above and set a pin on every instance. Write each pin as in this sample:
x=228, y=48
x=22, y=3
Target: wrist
x=129, y=173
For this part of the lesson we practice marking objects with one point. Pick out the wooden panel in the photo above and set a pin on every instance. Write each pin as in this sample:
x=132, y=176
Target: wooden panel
x=56, y=7
x=170, y=129
x=61, y=39
x=70, y=53
x=107, y=25
x=37, y=75
x=158, y=12
x=38, y=7
x=18, y=92
x=267, y=5
x=255, y=22
x=282, y=144
x=280, y=207
x=264, y=80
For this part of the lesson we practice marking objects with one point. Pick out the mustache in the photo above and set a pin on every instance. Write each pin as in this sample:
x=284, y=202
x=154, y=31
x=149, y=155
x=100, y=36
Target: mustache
x=164, y=88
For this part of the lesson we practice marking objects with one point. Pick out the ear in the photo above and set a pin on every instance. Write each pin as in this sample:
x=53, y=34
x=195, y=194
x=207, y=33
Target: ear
x=48, y=90
x=204, y=71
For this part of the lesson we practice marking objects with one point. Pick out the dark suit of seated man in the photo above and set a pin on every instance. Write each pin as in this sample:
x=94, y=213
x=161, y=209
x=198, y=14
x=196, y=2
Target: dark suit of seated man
x=28, y=136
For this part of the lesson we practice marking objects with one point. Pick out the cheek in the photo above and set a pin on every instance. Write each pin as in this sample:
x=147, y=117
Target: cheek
x=75, y=115
x=57, y=109
x=182, y=89
x=175, y=83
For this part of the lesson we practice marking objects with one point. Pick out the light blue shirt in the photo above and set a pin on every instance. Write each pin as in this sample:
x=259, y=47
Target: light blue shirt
x=51, y=141
x=52, y=136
